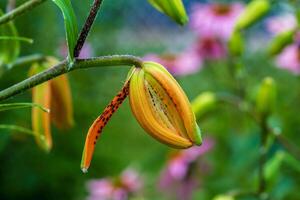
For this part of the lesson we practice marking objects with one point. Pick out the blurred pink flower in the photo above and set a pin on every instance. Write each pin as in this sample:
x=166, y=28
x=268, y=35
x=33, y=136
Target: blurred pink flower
x=211, y=48
x=188, y=62
x=281, y=23
x=215, y=20
x=86, y=50
x=178, y=178
x=128, y=183
x=289, y=58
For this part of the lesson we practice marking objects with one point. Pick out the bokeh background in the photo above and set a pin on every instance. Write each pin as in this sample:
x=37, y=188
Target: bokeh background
x=134, y=27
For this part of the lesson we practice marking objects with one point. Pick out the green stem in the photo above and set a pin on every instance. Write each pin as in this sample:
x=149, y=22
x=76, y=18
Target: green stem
x=63, y=67
x=263, y=158
x=288, y=145
x=20, y=10
x=26, y=60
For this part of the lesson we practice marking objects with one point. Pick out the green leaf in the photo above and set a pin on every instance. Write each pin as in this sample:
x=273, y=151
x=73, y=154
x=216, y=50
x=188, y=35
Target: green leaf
x=9, y=49
x=11, y=106
x=273, y=165
x=21, y=39
x=70, y=24
x=292, y=161
x=19, y=129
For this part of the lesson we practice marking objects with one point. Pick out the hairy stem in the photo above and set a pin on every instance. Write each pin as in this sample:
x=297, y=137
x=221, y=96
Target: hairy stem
x=87, y=26
x=63, y=68
x=20, y=10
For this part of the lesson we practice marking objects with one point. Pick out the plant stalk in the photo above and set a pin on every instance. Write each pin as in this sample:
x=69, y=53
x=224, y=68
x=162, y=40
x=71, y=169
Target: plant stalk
x=87, y=26
x=20, y=10
x=63, y=67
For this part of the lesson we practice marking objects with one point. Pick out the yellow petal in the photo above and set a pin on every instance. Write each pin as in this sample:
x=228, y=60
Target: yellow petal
x=41, y=95
x=178, y=96
x=150, y=112
x=98, y=125
x=61, y=100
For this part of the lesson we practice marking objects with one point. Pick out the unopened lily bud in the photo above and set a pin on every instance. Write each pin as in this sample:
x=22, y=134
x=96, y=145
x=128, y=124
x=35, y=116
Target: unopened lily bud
x=266, y=97
x=236, y=44
x=254, y=11
x=280, y=42
x=61, y=99
x=41, y=95
x=161, y=107
x=203, y=103
x=173, y=8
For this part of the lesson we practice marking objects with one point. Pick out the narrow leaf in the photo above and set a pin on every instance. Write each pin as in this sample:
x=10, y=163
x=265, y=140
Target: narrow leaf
x=70, y=24
x=9, y=49
x=11, y=106
x=21, y=39
x=19, y=129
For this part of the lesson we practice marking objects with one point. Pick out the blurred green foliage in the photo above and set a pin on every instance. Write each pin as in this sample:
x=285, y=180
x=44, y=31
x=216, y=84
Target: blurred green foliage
x=28, y=173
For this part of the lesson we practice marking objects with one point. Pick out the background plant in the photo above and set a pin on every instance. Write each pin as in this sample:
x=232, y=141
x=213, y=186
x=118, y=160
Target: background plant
x=234, y=118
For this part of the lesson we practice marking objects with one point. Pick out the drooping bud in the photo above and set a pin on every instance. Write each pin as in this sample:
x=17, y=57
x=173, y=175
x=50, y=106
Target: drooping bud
x=203, y=103
x=173, y=8
x=280, y=42
x=266, y=97
x=159, y=105
x=254, y=11
x=41, y=95
x=162, y=108
x=61, y=99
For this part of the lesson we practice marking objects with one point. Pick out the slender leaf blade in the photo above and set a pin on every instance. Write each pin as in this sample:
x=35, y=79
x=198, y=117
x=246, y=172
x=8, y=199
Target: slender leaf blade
x=10, y=49
x=11, y=106
x=70, y=24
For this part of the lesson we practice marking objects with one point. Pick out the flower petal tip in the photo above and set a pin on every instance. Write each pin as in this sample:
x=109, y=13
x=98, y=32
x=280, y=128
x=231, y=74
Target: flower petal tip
x=84, y=170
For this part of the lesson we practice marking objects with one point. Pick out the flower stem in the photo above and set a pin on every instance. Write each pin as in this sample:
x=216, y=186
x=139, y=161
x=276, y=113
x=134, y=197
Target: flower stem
x=87, y=26
x=63, y=68
x=20, y=10
x=262, y=158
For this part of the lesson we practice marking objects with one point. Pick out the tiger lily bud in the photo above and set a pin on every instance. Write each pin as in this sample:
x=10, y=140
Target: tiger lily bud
x=203, y=103
x=266, y=97
x=61, y=99
x=161, y=107
x=173, y=8
x=41, y=95
x=280, y=42
x=254, y=11
x=56, y=95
